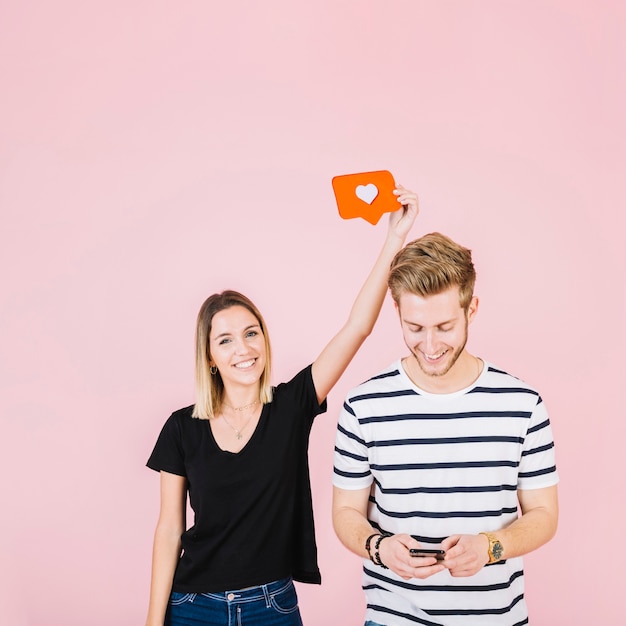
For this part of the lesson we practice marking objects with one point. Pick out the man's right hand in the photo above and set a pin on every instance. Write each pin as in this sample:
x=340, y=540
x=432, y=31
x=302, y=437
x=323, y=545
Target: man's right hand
x=394, y=553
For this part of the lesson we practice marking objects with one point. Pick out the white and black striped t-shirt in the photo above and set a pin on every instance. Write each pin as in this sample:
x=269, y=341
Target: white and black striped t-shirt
x=439, y=465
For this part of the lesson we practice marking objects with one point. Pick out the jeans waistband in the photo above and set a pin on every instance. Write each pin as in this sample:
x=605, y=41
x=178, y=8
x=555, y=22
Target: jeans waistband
x=250, y=594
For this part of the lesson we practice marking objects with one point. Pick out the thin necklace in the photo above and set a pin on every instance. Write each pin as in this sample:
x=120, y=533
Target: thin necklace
x=241, y=408
x=238, y=431
x=478, y=367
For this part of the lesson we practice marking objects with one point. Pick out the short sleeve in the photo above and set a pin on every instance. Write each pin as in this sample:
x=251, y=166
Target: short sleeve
x=168, y=455
x=300, y=392
x=351, y=466
x=537, y=466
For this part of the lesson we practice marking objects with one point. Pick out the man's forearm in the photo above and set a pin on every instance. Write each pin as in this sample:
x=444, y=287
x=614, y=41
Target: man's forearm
x=353, y=529
x=536, y=526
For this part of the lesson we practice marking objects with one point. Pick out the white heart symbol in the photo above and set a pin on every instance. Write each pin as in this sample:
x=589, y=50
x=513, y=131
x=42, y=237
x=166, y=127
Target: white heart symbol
x=367, y=193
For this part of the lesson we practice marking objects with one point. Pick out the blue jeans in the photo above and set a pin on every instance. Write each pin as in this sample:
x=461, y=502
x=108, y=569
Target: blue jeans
x=274, y=604
x=369, y=623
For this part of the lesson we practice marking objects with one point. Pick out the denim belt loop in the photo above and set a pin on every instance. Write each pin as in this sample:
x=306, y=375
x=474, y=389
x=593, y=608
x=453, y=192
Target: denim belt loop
x=266, y=594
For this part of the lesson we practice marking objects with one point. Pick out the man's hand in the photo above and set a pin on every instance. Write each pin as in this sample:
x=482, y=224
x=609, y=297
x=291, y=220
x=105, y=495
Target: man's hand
x=465, y=554
x=394, y=553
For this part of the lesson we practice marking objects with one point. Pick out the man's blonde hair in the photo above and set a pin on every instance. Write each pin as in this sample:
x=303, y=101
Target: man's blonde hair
x=430, y=265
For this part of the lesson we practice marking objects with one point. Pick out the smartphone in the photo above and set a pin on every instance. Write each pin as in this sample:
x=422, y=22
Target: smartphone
x=438, y=554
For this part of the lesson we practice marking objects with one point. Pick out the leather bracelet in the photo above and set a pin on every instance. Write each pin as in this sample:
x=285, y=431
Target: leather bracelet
x=376, y=559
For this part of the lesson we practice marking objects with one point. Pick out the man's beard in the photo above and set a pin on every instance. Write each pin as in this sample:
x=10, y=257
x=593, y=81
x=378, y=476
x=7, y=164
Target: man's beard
x=451, y=360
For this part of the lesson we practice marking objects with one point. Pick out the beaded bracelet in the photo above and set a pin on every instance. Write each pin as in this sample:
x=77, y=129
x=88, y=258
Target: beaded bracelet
x=368, y=544
x=376, y=559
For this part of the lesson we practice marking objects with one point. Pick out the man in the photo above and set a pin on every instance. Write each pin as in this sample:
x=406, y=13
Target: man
x=437, y=452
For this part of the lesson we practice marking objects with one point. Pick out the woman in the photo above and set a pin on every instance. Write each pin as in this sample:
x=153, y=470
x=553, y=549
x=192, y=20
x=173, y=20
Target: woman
x=241, y=454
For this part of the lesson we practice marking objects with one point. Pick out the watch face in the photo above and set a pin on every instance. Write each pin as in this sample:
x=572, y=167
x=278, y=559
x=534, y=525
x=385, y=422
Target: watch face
x=497, y=550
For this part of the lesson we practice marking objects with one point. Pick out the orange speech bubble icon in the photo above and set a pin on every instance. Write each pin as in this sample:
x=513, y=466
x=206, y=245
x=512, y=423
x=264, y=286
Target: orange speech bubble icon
x=367, y=195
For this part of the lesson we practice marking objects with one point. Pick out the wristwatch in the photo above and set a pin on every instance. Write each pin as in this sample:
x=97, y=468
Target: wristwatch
x=495, y=548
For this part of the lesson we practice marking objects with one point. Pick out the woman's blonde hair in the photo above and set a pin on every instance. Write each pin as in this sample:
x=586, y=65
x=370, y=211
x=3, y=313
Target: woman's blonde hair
x=209, y=386
x=430, y=265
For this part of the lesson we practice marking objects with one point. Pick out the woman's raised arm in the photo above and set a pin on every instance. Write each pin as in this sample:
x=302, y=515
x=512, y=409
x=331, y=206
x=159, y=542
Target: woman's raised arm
x=335, y=357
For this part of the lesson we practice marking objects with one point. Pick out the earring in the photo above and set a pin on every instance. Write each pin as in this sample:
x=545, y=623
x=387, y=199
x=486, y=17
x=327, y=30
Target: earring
x=213, y=370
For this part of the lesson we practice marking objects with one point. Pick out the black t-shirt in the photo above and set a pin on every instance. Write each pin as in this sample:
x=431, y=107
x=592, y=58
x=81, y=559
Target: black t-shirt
x=253, y=512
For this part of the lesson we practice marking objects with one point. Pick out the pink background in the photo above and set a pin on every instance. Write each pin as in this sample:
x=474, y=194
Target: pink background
x=152, y=153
